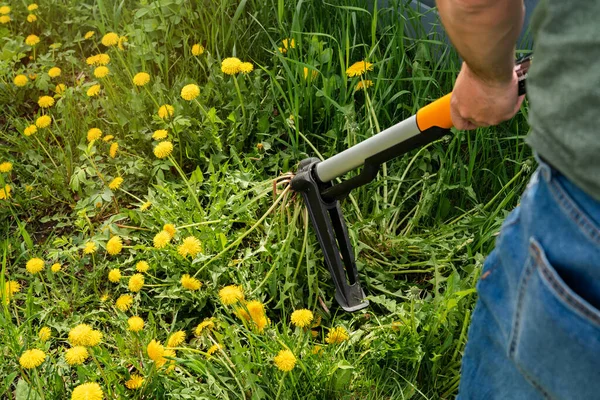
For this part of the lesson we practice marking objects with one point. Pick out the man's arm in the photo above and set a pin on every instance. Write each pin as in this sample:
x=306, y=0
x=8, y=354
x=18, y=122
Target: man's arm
x=484, y=33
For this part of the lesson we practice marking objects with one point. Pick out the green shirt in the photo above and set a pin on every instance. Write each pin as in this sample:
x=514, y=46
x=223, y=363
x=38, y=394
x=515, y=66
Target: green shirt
x=563, y=87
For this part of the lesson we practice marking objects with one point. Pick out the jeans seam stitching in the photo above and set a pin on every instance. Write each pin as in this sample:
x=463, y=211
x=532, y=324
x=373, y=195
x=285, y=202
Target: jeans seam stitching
x=517, y=318
x=563, y=294
x=574, y=212
x=527, y=273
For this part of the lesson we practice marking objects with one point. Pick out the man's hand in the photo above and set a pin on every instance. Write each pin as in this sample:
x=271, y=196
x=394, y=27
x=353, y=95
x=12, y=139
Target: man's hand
x=477, y=102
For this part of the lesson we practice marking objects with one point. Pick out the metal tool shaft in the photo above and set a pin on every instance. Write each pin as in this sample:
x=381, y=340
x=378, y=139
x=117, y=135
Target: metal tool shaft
x=355, y=156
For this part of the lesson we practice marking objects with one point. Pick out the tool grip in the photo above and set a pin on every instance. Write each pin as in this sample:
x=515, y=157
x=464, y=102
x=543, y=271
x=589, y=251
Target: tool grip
x=438, y=112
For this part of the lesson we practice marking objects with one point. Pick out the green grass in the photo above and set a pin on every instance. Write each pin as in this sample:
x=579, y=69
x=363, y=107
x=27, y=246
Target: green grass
x=420, y=231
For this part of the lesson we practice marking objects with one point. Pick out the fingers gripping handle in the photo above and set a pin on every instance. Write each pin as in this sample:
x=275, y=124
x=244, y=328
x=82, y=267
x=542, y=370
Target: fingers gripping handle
x=438, y=112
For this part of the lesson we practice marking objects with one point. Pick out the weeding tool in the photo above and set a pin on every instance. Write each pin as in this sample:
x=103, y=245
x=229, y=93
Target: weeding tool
x=314, y=180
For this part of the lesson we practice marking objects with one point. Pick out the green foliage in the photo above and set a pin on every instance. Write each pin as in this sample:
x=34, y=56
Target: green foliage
x=420, y=231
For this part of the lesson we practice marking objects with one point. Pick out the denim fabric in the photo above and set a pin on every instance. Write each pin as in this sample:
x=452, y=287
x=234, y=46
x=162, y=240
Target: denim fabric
x=535, y=331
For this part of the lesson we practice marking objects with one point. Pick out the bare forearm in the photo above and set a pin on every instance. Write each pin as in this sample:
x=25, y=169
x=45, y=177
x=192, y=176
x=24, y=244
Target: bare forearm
x=484, y=33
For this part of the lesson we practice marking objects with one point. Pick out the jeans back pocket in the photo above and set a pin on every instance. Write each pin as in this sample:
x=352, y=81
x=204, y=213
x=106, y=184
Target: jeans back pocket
x=555, y=338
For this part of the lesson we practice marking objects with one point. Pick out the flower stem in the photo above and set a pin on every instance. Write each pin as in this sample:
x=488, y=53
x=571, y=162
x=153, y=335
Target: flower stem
x=280, y=386
x=187, y=182
x=46, y=151
x=39, y=384
x=237, y=88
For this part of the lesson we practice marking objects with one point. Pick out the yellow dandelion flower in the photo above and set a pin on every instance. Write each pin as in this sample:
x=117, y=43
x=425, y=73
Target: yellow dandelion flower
x=102, y=59
x=115, y=183
x=163, y=149
x=20, y=80
x=90, y=248
x=313, y=73
x=190, y=247
x=31, y=18
x=55, y=267
x=46, y=101
x=6, y=166
x=113, y=150
x=337, y=335
x=289, y=43
x=32, y=358
x=114, y=245
x=101, y=71
x=108, y=138
x=93, y=90
x=208, y=324
x=135, y=323
x=88, y=35
x=98, y=59
x=94, y=339
x=161, y=239
x=124, y=302
x=134, y=382
x=54, y=72
x=213, y=349
x=87, y=391
x=10, y=288
x=171, y=229
x=92, y=60
x=163, y=360
x=60, y=88
x=155, y=350
x=159, y=134
x=32, y=76
x=114, y=275
x=166, y=111
x=136, y=282
x=32, y=40
x=141, y=78
x=231, y=65
x=302, y=318
x=256, y=311
x=190, y=92
x=76, y=355
x=176, y=339
x=122, y=41
x=359, y=68
x=4, y=19
x=4, y=10
x=190, y=283
x=34, y=265
x=44, y=333
x=285, y=360
x=80, y=335
x=146, y=206
x=317, y=350
x=246, y=67
x=32, y=7
x=363, y=84
x=110, y=39
x=5, y=192
x=43, y=122
x=231, y=294
x=197, y=49
x=142, y=266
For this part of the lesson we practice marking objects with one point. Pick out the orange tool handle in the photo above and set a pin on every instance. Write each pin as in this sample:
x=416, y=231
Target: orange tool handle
x=435, y=114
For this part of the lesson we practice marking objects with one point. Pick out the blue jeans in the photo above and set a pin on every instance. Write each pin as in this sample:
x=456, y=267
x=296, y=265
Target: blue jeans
x=535, y=332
